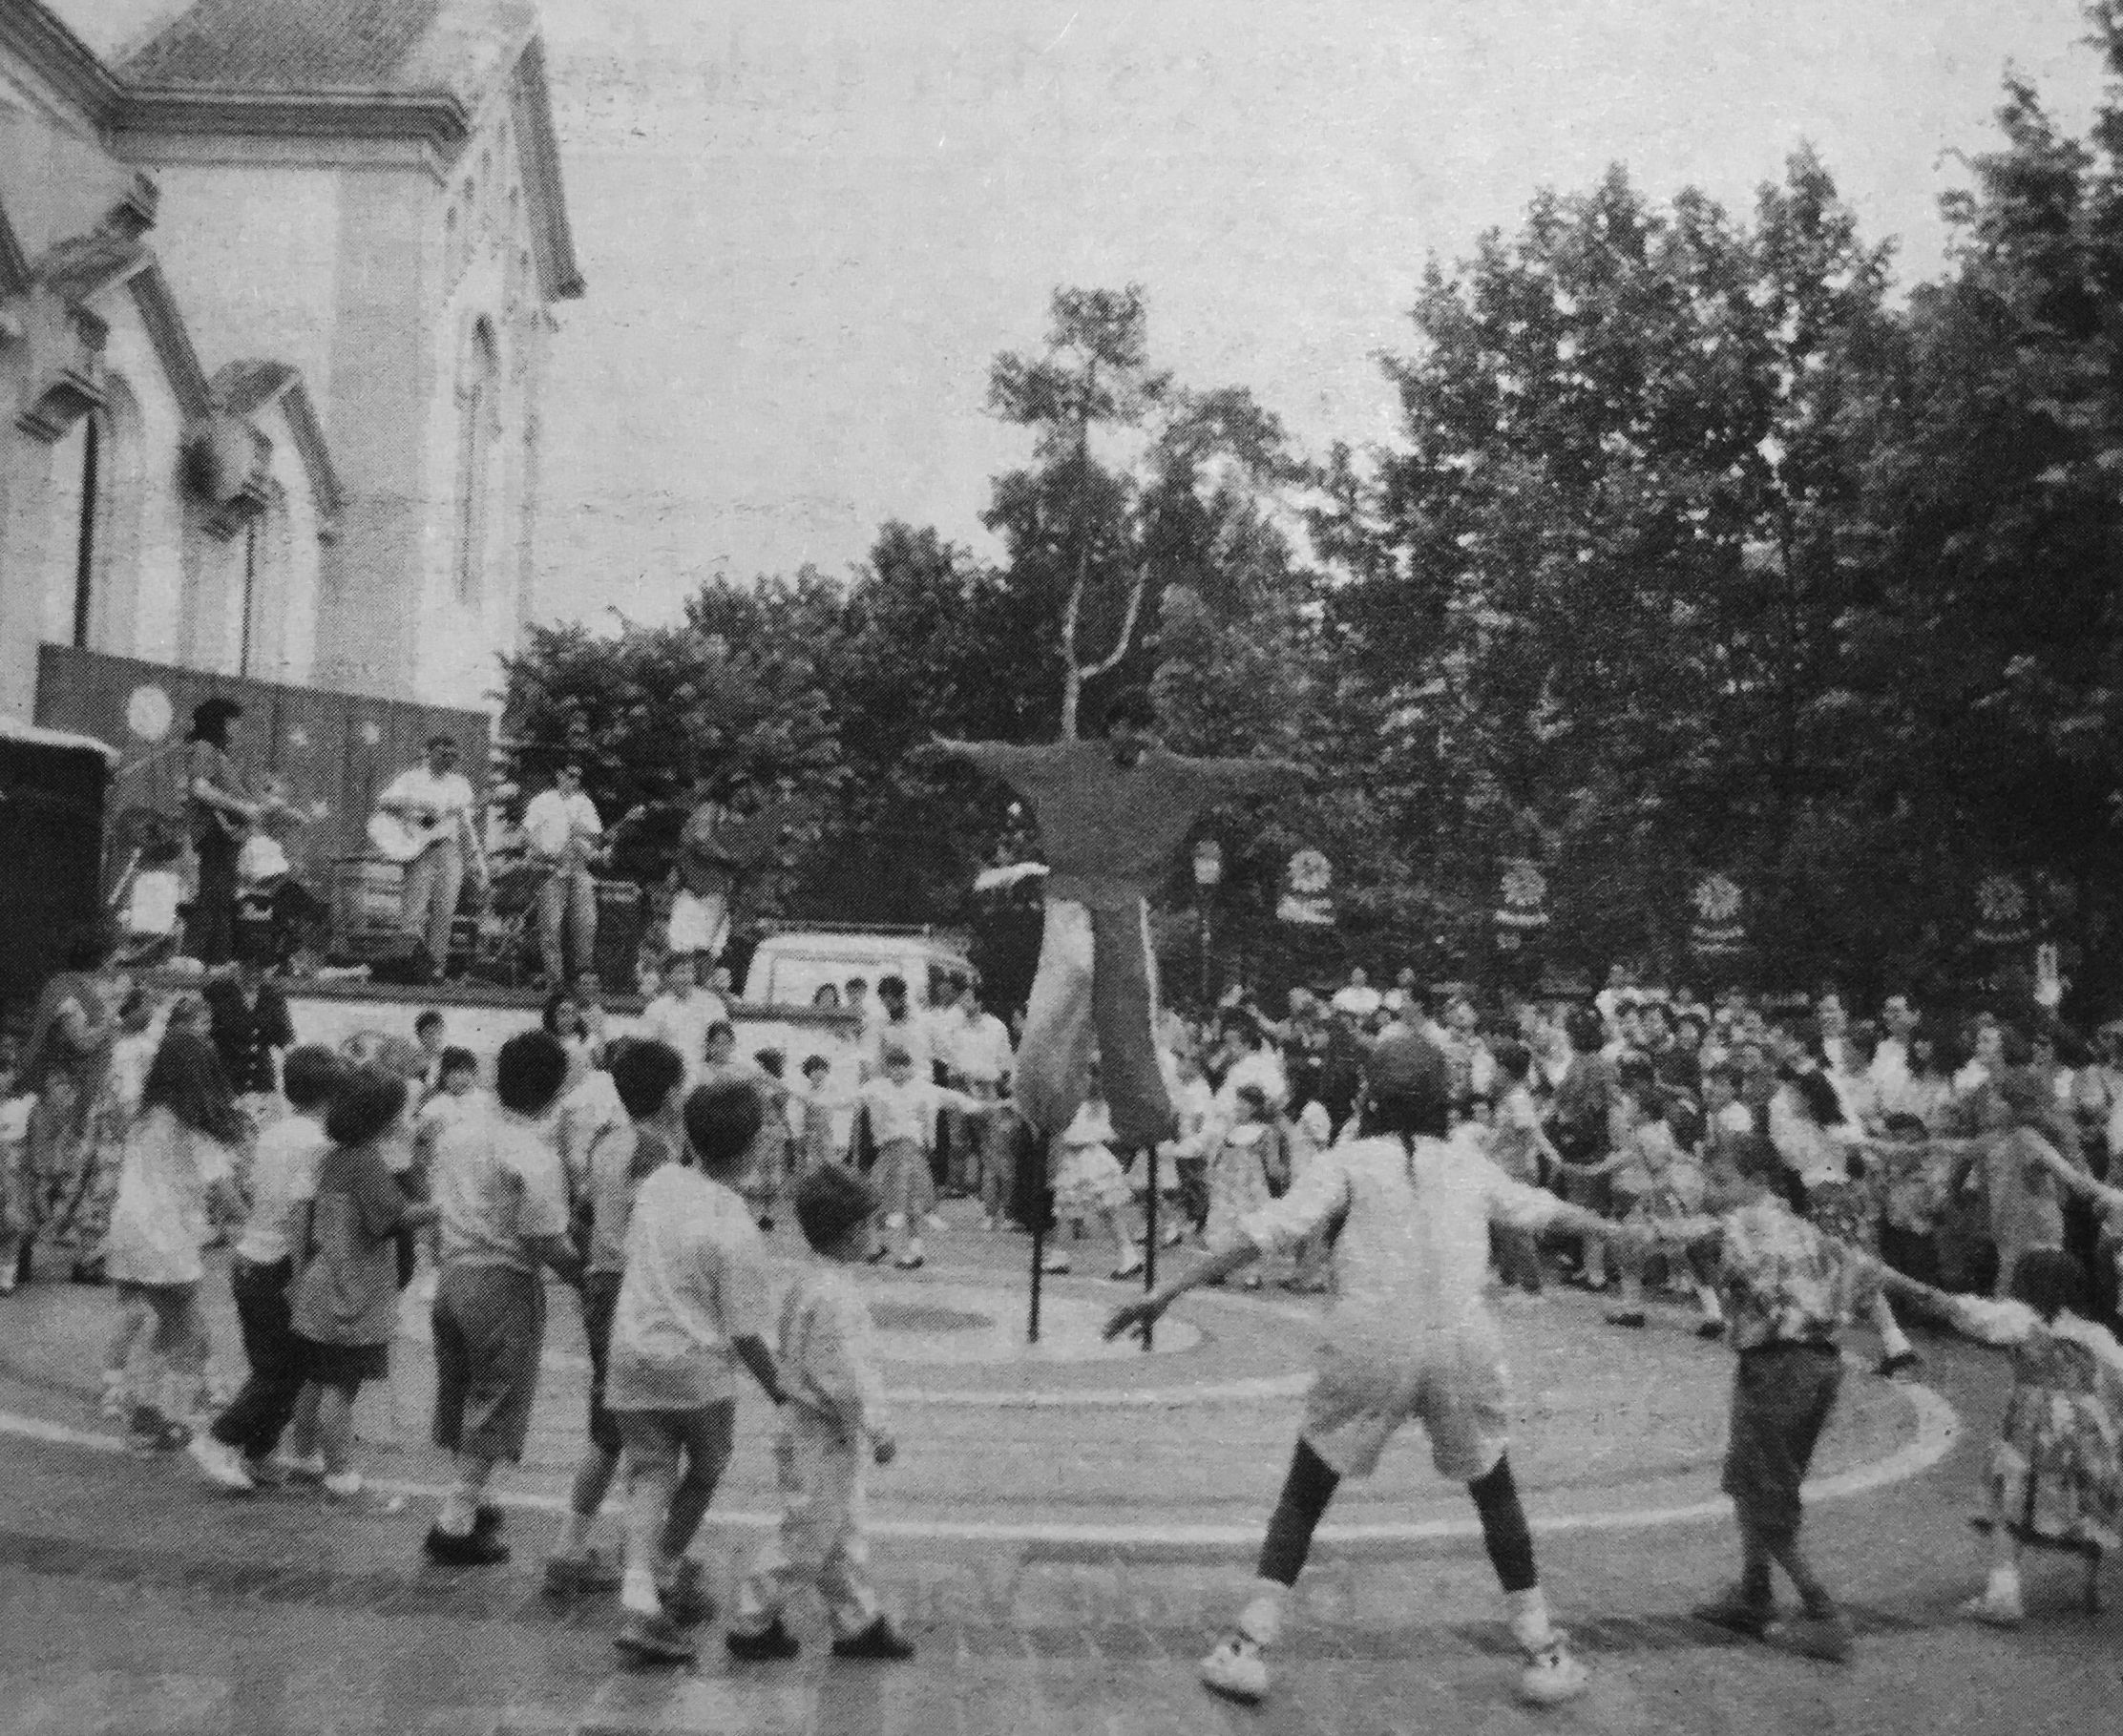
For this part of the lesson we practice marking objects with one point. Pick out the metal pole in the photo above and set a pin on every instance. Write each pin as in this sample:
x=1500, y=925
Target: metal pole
x=1149, y=1240
x=1039, y=1259
x=1201, y=941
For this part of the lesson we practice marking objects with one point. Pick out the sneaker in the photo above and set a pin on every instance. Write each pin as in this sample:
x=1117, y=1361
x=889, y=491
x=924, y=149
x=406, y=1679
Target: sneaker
x=220, y=1466
x=771, y=1647
x=1709, y=1329
x=880, y=1641
x=343, y=1485
x=654, y=1640
x=1737, y=1613
x=1236, y=1670
x=1995, y=1611
x=149, y=1431
x=936, y=1221
x=1252, y=1281
x=475, y=1549
x=1058, y=1264
x=1627, y=1317
x=1824, y=1637
x=584, y=1576
x=686, y=1597
x=896, y=1220
x=876, y=1255
x=114, y=1404
x=1902, y=1362
x=1132, y=1269
x=911, y=1262
x=1171, y=1238
x=1552, y=1675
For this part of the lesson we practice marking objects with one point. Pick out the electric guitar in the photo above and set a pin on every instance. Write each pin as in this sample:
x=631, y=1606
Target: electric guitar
x=277, y=817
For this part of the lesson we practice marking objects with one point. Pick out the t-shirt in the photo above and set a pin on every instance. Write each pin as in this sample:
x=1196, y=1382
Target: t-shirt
x=824, y=1353
x=498, y=1184
x=975, y=1050
x=346, y=1288
x=696, y=1280
x=1412, y=1255
x=442, y=797
x=284, y=1175
x=14, y=1119
x=158, y=1218
x=585, y=1112
x=683, y=1024
x=620, y=1158
x=553, y=822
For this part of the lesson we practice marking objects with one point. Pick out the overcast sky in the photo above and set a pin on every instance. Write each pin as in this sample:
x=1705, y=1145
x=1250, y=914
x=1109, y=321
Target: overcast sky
x=808, y=224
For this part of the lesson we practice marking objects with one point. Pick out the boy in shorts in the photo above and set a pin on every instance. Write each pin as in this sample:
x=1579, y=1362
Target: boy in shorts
x=692, y=1306
x=650, y=1079
x=833, y=1420
x=1787, y=1292
x=1410, y=1341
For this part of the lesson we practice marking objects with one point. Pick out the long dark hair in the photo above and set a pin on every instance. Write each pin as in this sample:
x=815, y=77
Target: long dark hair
x=186, y=1078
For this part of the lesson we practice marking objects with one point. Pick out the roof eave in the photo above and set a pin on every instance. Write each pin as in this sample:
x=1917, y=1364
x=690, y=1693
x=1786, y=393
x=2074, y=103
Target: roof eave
x=438, y=119
x=559, y=274
x=36, y=33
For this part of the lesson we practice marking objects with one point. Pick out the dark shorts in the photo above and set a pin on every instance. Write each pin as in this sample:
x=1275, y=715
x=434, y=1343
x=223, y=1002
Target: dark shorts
x=701, y=1437
x=345, y=1365
x=1594, y=1193
x=601, y=1295
x=489, y=1328
x=1782, y=1395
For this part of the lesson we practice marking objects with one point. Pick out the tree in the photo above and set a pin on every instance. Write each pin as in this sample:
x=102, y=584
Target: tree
x=1068, y=519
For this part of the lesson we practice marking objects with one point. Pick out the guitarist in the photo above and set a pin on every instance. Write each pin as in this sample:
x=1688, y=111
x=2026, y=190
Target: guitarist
x=565, y=833
x=436, y=798
x=219, y=810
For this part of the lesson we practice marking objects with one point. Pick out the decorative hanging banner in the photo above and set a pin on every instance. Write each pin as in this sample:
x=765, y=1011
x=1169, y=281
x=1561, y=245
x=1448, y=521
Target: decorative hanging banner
x=1524, y=911
x=1719, y=928
x=1306, y=882
x=2005, y=915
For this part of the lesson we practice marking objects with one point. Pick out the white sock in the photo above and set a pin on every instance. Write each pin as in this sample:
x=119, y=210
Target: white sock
x=1707, y=1297
x=638, y=1593
x=2004, y=1586
x=1529, y=1614
x=914, y=1247
x=1262, y=1619
x=1891, y=1339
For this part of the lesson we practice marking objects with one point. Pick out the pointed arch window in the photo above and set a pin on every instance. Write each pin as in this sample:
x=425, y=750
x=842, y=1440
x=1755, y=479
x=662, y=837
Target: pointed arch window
x=479, y=416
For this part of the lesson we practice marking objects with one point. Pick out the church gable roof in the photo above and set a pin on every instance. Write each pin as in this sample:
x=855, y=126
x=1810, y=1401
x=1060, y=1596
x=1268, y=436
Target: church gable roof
x=245, y=388
x=380, y=48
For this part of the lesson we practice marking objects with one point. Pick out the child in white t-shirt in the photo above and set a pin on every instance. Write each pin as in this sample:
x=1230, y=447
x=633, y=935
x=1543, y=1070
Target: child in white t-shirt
x=834, y=1420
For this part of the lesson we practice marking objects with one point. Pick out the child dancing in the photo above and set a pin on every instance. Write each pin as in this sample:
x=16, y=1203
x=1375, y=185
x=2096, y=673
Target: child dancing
x=179, y=1165
x=833, y=1420
x=1411, y=1341
x=2055, y=1476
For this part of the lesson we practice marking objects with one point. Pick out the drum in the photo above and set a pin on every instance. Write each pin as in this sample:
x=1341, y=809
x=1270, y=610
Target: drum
x=368, y=893
x=622, y=914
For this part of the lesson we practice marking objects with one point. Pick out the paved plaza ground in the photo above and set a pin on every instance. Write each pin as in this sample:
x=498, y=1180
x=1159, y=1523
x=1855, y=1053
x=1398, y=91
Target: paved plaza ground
x=1064, y=1532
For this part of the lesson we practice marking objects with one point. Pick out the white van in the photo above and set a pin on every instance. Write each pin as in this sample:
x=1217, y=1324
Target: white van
x=797, y=959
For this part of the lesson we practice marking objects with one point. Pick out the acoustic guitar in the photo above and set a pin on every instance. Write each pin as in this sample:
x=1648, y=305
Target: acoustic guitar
x=403, y=839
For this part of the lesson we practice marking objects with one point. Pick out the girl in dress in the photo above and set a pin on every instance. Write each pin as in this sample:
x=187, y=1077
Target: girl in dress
x=2056, y=1476
x=1090, y=1183
x=1250, y=1151
x=180, y=1161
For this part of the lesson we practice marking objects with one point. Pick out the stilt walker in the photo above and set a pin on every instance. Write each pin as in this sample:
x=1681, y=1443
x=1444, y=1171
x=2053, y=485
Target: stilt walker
x=1112, y=813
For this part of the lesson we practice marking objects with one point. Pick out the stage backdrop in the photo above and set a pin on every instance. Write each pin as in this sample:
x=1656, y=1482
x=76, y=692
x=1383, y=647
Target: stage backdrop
x=334, y=752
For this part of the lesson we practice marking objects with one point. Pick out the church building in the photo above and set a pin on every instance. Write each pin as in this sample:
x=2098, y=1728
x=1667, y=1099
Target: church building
x=278, y=280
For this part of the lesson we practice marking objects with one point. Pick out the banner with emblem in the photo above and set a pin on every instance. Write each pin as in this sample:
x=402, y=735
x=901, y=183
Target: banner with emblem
x=1524, y=911
x=1308, y=884
x=1720, y=926
x=2004, y=914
